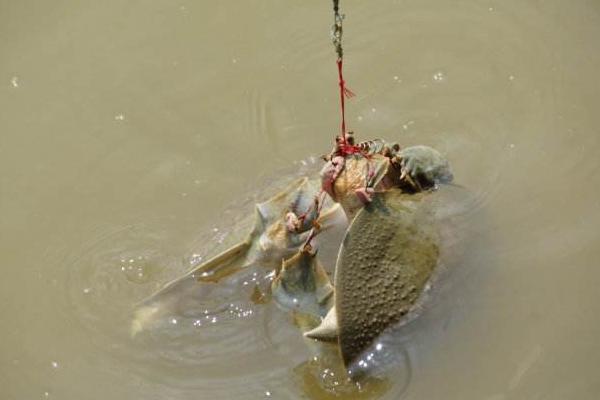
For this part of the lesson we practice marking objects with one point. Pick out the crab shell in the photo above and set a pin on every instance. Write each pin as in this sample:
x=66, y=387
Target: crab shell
x=358, y=172
x=390, y=249
x=411, y=169
x=385, y=261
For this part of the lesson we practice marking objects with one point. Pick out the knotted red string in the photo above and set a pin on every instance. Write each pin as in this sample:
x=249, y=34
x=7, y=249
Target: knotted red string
x=344, y=93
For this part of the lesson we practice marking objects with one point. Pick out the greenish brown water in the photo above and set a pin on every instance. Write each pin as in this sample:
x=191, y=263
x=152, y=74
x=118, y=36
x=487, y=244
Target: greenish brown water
x=143, y=131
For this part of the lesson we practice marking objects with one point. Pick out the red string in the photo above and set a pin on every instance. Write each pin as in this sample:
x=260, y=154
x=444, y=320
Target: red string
x=344, y=93
x=350, y=149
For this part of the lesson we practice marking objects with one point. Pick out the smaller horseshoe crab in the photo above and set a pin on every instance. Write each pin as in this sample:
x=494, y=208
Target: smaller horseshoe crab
x=384, y=262
x=282, y=225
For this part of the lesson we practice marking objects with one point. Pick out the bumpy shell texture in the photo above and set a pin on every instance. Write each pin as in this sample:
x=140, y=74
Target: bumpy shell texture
x=388, y=254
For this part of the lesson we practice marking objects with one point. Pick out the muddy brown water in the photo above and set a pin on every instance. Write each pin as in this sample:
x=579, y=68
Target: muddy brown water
x=134, y=135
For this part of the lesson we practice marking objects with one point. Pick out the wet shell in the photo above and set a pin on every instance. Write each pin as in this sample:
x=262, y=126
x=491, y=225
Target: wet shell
x=388, y=254
x=353, y=177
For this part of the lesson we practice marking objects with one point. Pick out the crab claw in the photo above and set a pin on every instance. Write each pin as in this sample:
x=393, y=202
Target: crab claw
x=405, y=176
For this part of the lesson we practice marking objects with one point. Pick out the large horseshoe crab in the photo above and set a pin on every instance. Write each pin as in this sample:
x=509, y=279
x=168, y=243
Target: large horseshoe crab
x=385, y=260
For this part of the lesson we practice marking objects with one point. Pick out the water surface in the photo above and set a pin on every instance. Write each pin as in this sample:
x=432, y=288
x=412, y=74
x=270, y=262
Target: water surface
x=135, y=135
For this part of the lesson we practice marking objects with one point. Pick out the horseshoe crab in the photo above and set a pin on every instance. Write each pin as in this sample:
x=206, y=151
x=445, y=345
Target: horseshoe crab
x=389, y=250
x=282, y=224
x=386, y=258
x=384, y=262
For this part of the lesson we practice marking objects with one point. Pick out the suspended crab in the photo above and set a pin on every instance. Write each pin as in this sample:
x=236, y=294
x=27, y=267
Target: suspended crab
x=386, y=257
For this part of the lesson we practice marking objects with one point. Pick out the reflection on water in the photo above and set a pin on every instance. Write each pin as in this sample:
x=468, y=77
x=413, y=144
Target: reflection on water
x=135, y=136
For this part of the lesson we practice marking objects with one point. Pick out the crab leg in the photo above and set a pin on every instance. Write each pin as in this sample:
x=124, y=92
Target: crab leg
x=405, y=176
x=365, y=194
x=405, y=173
